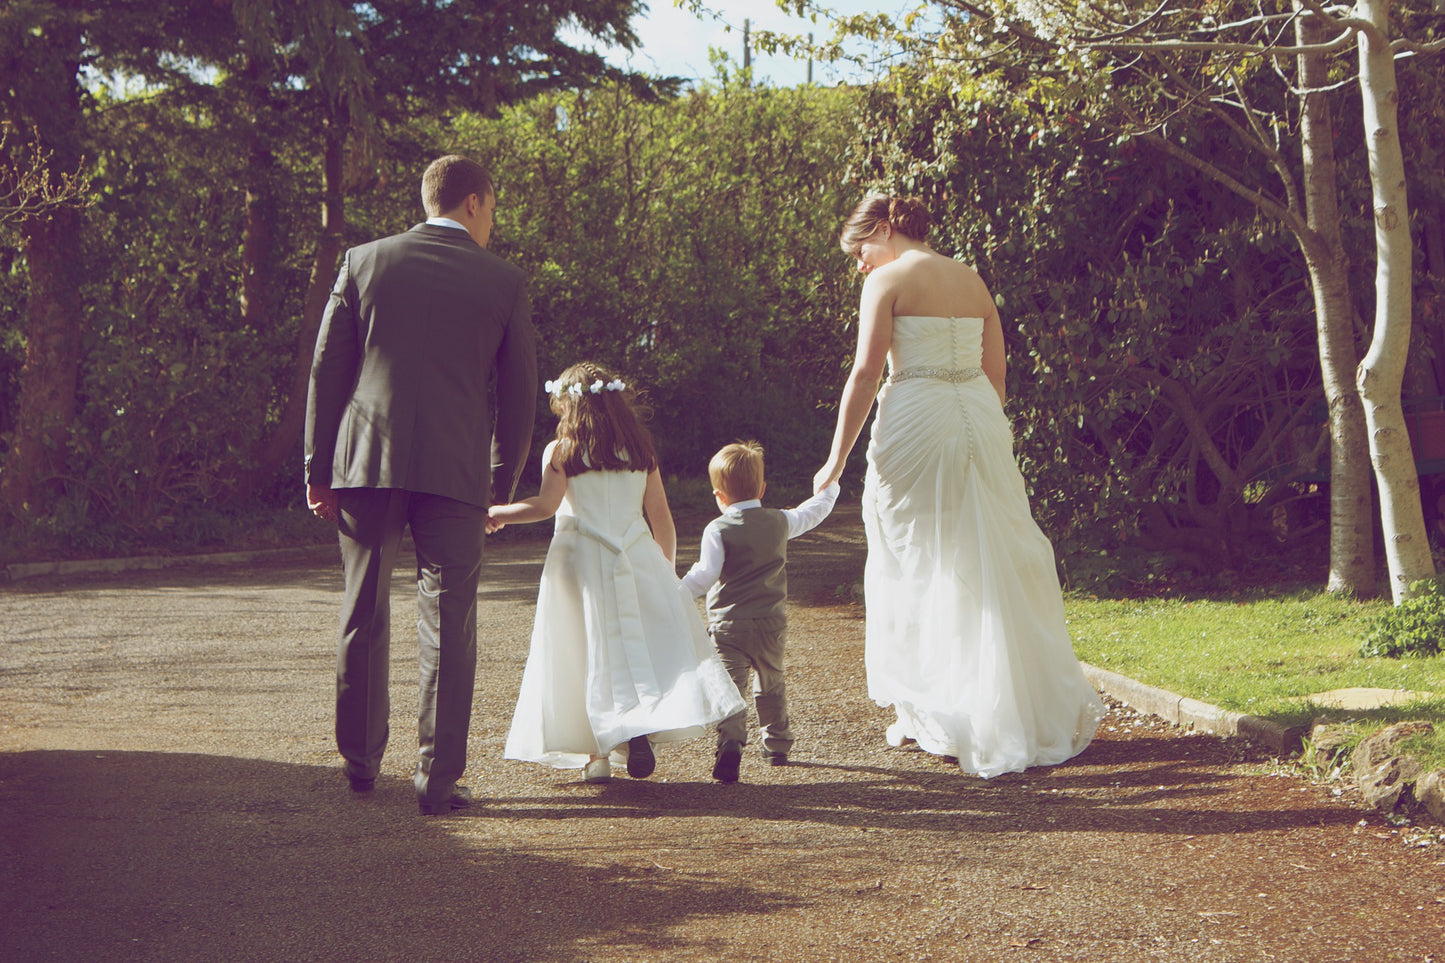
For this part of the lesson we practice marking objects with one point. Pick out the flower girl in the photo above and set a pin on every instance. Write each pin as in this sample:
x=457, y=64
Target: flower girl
x=619, y=657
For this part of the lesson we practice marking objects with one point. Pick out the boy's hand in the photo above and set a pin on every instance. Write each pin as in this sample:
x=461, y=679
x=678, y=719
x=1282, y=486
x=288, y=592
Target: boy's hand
x=827, y=475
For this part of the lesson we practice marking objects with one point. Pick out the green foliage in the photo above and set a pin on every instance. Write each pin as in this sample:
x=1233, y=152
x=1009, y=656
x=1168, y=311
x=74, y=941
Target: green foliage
x=1162, y=371
x=175, y=390
x=205, y=131
x=1415, y=627
x=690, y=243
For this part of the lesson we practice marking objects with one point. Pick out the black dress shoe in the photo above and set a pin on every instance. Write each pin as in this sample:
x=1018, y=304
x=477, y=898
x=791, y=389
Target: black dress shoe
x=726, y=767
x=640, y=760
x=775, y=758
x=460, y=798
x=361, y=783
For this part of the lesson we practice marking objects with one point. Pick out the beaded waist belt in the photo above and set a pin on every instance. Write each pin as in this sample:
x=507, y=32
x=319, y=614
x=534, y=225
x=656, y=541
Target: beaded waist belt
x=955, y=375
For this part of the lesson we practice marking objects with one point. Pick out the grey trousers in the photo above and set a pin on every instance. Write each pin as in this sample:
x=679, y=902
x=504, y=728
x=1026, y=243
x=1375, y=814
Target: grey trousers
x=755, y=647
x=448, y=536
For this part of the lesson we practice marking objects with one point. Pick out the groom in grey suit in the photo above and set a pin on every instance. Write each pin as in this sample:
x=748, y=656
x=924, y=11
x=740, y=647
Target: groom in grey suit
x=422, y=328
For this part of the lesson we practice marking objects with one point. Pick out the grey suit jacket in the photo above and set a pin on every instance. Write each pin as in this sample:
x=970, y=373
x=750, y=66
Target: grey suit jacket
x=418, y=327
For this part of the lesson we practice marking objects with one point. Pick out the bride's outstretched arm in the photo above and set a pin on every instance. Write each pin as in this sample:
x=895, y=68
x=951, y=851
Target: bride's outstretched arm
x=875, y=334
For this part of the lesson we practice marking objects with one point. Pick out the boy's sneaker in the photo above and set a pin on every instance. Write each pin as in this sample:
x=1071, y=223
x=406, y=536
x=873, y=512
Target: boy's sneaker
x=726, y=767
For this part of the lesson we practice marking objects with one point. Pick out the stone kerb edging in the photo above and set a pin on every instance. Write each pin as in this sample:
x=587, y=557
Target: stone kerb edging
x=1182, y=711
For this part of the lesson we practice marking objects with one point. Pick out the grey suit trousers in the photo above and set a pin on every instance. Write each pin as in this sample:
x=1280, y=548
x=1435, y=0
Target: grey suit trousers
x=754, y=647
x=448, y=536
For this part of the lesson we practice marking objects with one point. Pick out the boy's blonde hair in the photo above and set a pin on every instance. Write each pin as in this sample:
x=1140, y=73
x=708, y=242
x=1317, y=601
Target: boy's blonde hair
x=737, y=471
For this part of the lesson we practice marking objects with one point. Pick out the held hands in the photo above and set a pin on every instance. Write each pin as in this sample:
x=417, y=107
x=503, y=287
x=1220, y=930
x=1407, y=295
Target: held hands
x=826, y=476
x=494, y=521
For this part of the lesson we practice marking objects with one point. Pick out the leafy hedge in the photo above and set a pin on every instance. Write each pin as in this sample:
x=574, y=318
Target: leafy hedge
x=1415, y=627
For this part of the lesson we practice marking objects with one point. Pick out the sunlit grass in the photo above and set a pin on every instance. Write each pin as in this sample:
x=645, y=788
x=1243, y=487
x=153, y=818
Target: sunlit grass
x=1265, y=656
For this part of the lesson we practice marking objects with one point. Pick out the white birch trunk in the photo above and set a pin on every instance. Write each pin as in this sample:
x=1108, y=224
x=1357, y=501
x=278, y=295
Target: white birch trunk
x=1382, y=372
x=1352, y=516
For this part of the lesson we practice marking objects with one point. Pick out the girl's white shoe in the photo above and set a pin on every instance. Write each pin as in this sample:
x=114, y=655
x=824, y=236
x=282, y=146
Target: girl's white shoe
x=899, y=738
x=598, y=770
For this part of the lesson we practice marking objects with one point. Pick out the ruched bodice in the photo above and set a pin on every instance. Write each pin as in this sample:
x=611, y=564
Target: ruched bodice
x=929, y=342
x=965, y=635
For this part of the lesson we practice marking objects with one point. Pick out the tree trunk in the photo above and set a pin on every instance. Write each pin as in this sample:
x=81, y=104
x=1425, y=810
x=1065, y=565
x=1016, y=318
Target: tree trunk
x=51, y=97
x=260, y=281
x=1382, y=372
x=285, y=440
x=259, y=262
x=1352, y=529
x=52, y=365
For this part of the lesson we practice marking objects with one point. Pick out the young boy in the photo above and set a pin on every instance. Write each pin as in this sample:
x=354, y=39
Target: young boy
x=742, y=569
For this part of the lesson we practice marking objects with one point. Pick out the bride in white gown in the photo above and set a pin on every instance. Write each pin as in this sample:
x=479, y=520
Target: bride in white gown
x=965, y=634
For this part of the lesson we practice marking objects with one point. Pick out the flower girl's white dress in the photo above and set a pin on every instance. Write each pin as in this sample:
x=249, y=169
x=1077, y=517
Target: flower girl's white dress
x=965, y=620
x=618, y=647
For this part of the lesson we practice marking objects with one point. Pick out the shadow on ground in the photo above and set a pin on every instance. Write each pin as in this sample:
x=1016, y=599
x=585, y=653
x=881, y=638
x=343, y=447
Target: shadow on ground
x=153, y=856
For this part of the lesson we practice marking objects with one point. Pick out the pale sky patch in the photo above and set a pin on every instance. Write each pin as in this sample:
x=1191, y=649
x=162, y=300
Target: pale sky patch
x=675, y=42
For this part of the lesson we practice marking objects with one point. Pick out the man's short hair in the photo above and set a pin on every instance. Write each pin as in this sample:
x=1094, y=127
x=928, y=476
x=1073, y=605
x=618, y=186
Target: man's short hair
x=737, y=471
x=449, y=181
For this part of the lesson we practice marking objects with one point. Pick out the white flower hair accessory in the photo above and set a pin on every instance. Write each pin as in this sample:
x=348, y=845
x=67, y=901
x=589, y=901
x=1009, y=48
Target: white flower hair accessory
x=557, y=388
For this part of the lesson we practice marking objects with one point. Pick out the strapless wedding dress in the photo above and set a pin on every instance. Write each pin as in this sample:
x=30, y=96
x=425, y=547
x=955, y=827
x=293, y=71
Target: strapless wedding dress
x=965, y=619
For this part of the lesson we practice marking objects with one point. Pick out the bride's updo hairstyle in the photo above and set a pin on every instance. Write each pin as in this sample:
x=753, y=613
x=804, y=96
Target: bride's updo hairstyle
x=907, y=215
x=602, y=422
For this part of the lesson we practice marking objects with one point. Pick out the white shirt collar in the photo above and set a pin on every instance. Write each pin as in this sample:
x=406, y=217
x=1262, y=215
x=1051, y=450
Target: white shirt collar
x=737, y=507
x=446, y=222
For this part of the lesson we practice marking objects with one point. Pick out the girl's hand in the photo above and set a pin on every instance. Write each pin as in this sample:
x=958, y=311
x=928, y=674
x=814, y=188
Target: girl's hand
x=494, y=521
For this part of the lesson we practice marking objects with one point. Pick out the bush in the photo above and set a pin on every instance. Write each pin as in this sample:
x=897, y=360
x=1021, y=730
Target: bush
x=1414, y=627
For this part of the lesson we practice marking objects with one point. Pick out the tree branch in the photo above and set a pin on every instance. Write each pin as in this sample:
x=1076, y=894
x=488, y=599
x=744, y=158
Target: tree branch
x=29, y=188
x=1413, y=47
x=1134, y=28
x=1263, y=201
x=1271, y=151
x=1212, y=46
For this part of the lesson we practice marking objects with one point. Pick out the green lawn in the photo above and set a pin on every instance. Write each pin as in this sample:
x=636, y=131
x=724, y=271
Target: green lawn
x=1256, y=654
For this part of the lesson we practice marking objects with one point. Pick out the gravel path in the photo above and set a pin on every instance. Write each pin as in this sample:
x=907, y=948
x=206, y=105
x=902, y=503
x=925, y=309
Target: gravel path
x=169, y=791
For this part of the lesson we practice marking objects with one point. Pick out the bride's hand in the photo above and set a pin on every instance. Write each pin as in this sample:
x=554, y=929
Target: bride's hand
x=826, y=476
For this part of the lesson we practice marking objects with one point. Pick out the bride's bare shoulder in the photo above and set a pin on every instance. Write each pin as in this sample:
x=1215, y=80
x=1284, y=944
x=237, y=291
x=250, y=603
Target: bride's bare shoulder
x=963, y=267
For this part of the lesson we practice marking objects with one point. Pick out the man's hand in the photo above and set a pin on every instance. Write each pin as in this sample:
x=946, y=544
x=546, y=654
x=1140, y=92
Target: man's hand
x=322, y=502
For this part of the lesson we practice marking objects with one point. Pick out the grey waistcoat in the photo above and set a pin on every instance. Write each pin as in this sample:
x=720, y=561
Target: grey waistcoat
x=754, y=579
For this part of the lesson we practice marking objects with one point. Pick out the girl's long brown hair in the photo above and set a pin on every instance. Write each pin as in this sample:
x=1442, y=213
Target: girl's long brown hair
x=605, y=431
